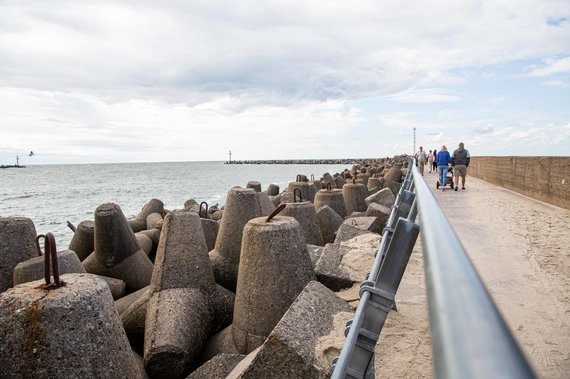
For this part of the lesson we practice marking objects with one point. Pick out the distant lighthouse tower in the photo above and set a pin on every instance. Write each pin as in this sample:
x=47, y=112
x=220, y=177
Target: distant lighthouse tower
x=230, y=157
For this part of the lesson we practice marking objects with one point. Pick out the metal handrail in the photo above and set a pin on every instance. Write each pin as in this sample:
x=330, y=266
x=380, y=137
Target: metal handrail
x=341, y=367
x=470, y=338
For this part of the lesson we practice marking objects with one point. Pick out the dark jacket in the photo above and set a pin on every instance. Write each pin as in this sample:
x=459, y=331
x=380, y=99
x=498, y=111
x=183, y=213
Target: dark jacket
x=461, y=157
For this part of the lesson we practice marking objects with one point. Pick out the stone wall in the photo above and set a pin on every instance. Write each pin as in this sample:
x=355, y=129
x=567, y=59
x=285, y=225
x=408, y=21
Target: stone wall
x=542, y=178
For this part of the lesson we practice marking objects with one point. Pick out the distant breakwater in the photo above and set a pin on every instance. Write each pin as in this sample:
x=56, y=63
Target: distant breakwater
x=304, y=161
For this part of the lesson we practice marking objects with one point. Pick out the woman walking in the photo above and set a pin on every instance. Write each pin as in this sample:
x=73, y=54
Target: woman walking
x=430, y=161
x=443, y=159
x=434, y=160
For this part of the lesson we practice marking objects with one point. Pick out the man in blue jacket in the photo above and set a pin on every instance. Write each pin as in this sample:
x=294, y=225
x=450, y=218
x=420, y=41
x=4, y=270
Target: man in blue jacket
x=460, y=161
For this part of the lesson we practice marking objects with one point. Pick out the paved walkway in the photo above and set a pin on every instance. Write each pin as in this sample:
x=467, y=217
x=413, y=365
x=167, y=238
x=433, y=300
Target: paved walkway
x=521, y=249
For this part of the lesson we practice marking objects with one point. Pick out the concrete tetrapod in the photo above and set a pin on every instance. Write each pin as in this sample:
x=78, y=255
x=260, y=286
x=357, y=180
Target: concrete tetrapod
x=242, y=204
x=304, y=213
x=117, y=253
x=274, y=268
x=180, y=312
x=83, y=241
x=33, y=269
x=17, y=244
x=329, y=222
x=333, y=198
x=68, y=332
x=139, y=222
x=354, y=195
x=303, y=187
x=304, y=341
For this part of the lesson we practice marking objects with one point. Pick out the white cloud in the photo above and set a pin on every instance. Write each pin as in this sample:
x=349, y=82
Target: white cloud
x=427, y=95
x=552, y=66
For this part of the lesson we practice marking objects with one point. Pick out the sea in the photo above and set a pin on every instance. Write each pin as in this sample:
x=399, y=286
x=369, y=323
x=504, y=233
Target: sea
x=52, y=195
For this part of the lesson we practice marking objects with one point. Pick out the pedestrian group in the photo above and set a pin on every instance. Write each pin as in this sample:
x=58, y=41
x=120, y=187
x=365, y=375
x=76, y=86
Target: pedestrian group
x=442, y=162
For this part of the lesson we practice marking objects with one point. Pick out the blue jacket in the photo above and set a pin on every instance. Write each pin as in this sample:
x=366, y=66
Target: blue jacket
x=443, y=158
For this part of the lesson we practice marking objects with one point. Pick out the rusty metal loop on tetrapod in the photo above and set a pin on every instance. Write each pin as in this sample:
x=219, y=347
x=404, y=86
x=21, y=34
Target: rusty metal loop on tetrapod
x=276, y=212
x=295, y=191
x=205, y=210
x=50, y=254
x=312, y=177
x=329, y=186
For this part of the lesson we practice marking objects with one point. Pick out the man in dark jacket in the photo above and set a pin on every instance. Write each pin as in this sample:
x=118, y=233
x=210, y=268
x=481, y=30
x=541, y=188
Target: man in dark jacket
x=460, y=162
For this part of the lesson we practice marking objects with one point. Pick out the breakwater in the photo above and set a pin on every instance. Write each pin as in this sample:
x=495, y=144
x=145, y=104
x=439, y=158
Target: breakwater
x=543, y=178
x=195, y=289
x=310, y=161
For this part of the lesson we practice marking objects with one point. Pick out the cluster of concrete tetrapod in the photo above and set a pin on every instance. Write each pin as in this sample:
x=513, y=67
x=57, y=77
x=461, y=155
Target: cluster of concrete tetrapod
x=238, y=292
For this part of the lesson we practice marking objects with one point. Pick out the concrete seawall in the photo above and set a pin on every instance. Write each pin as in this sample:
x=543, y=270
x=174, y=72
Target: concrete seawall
x=542, y=178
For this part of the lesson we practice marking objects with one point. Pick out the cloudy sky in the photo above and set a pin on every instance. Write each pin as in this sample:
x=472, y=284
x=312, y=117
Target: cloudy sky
x=134, y=81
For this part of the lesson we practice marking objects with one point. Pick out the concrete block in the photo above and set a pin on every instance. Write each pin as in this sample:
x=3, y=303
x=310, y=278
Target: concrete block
x=315, y=253
x=354, y=195
x=274, y=268
x=394, y=174
x=67, y=332
x=381, y=212
x=218, y=367
x=125, y=302
x=356, y=226
x=83, y=240
x=304, y=342
x=342, y=265
x=242, y=204
x=116, y=286
x=33, y=269
x=384, y=197
x=139, y=223
x=267, y=206
x=304, y=213
x=220, y=343
x=393, y=186
x=329, y=222
x=333, y=198
x=17, y=244
x=117, y=253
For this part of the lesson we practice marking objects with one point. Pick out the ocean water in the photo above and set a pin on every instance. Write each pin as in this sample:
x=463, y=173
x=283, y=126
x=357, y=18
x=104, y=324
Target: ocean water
x=51, y=195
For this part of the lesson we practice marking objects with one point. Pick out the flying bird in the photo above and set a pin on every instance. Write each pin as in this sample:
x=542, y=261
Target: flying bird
x=31, y=153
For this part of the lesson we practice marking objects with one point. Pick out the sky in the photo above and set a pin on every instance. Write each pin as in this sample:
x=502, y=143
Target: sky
x=144, y=81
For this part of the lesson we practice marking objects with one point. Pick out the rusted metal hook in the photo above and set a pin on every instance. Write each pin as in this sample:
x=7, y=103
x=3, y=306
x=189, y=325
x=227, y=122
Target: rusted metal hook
x=71, y=226
x=276, y=212
x=298, y=178
x=50, y=251
x=329, y=187
x=312, y=177
x=205, y=211
x=295, y=195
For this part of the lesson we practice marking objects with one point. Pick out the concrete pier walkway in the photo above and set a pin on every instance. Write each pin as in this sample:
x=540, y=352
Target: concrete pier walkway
x=521, y=249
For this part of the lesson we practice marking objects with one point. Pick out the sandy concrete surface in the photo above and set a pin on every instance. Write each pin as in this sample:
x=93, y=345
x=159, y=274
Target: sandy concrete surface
x=521, y=249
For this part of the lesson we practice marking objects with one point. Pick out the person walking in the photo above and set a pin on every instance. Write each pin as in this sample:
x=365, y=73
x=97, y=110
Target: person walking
x=421, y=158
x=460, y=161
x=443, y=160
x=434, y=160
x=430, y=161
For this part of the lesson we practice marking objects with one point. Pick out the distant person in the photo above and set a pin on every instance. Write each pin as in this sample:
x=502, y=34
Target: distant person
x=443, y=160
x=434, y=168
x=421, y=158
x=460, y=161
x=430, y=161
